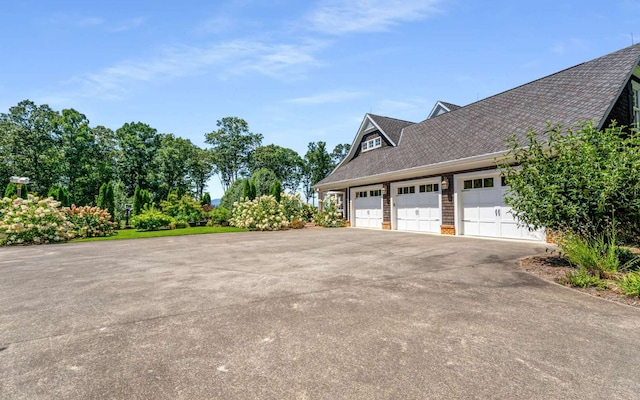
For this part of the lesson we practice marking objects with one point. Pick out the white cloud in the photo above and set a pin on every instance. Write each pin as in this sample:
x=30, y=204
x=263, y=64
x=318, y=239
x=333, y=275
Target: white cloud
x=280, y=61
x=336, y=96
x=349, y=16
x=127, y=24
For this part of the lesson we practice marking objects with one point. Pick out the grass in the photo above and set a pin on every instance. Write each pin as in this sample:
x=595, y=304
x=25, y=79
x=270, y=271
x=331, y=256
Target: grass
x=133, y=234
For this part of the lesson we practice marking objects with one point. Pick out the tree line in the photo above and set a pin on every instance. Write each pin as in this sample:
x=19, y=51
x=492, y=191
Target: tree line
x=62, y=150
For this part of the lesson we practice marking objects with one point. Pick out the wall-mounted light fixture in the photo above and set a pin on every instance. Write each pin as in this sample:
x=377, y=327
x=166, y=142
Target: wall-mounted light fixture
x=445, y=183
x=384, y=189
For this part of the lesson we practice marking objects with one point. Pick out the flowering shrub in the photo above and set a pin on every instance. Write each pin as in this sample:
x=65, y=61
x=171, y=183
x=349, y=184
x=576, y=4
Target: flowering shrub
x=263, y=214
x=330, y=217
x=90, y=221
x=33, y=221
x=293, y=207
x=151, y=219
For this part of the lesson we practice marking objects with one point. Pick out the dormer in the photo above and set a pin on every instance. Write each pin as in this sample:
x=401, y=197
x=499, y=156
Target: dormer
x=376, y=132
x=442, y=107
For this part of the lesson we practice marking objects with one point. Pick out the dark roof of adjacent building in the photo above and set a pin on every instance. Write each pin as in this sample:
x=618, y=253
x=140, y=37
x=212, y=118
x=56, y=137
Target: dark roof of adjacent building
x=585, y=92
x=392, y=127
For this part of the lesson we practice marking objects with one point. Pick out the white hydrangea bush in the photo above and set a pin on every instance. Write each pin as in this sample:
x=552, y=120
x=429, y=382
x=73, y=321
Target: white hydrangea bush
x=330, y=217
x=33, y=221
x=262, y=214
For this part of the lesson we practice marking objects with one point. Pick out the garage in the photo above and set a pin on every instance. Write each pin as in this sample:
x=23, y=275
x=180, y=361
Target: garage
x=484, y=212
x=368, y=207
x=417, y=206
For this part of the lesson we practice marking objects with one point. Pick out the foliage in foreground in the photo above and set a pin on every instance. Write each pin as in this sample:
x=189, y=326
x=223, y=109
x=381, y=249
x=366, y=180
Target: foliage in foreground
x=33, y=221
x=182, y=208
x=89, y=221
x=262, y=214
x=630, y=283
x=330, y=216
x=151, y=219
x=583, y=278
x=266, y=214
x=576, y=179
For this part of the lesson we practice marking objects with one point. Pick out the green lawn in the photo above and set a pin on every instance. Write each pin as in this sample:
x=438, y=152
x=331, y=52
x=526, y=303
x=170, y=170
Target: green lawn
x=133, y=234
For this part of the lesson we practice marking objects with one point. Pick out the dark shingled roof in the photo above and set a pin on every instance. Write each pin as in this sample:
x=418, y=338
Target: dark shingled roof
x=450, y=106
x=391, y=126
x=581, y=93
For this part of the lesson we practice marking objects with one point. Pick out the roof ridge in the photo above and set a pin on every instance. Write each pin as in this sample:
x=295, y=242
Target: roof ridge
x=397, y=119
x=548, y=76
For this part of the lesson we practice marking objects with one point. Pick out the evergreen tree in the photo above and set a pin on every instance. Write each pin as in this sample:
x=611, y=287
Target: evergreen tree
x=206, y=199
x=276, y=190
x=60, y=194
x=106, y=198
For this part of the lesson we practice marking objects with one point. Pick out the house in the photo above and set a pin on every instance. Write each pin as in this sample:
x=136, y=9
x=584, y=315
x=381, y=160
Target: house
x=440, y=175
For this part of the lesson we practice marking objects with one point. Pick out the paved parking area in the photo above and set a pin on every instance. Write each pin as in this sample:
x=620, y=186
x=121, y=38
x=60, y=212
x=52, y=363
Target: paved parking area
x=311, y=314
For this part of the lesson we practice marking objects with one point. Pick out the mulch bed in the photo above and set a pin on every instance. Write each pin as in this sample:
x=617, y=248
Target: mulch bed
x=554, y=269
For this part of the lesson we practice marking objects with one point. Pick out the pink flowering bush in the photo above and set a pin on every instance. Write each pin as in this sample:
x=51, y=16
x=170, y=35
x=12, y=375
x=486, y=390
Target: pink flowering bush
x=33, y=221
x=90, y=221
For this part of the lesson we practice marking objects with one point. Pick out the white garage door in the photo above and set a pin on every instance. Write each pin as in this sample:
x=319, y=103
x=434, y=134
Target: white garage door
x=368, y=208
x=418, y=207
x=484, y=212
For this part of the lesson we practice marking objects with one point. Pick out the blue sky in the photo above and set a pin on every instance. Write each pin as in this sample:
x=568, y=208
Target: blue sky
x=296, y=71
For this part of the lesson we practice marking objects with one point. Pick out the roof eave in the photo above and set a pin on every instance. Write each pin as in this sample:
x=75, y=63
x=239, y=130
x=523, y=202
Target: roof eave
x=481, y=161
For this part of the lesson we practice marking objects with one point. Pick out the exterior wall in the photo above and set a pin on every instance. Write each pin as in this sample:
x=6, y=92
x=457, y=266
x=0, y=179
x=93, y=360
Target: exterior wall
x=386, y=206
x=447, y=199
x=448, y=226
x=621, y=111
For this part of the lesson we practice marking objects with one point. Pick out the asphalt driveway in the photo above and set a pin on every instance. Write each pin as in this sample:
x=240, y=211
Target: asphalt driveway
x=311, y=314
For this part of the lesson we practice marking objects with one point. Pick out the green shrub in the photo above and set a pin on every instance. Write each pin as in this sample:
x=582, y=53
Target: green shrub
x=151, y=219
x=330, y=216
x=597, y=254
x=182, y=208
x=90, y=221
x=181, y=224
x=263, y=214
x=577, y=179
x=630, y=284
x=33, y=221
x=219, y=216
x=584, y=279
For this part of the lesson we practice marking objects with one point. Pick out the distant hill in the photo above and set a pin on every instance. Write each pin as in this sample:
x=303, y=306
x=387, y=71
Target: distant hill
x=215, y=202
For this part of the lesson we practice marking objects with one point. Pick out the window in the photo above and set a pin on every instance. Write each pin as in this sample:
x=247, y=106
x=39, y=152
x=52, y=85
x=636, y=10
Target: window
x=635, y=89
x=503, y=181
x=478, y=183
x=374, y=193
x=361, y=194
x=371, y=144
x=432, y=187
x=407, y=190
